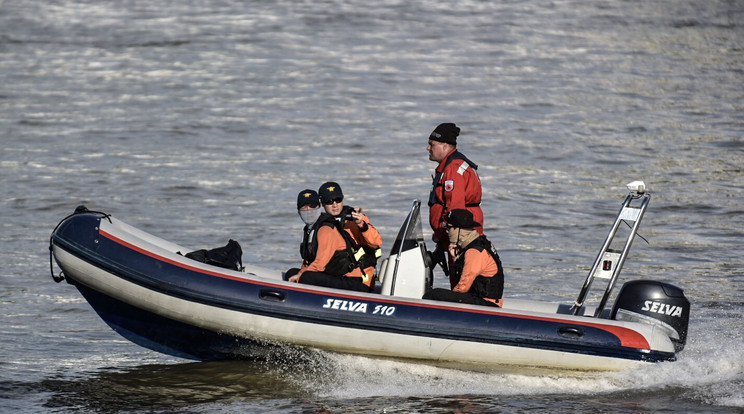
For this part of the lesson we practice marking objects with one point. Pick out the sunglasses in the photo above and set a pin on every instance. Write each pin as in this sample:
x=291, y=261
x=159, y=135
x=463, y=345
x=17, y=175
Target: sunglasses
x=338, y=200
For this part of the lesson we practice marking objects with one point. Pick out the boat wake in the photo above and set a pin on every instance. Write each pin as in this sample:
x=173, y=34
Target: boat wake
x=706, y=373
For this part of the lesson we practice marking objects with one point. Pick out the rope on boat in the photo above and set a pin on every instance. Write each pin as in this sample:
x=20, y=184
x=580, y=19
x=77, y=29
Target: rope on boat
x=78, y=210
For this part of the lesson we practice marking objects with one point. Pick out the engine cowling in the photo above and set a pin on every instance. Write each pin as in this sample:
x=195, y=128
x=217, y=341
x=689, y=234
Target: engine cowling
x=655, y=303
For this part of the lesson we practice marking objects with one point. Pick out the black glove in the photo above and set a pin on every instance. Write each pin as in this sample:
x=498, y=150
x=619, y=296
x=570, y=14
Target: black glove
x=439, y=257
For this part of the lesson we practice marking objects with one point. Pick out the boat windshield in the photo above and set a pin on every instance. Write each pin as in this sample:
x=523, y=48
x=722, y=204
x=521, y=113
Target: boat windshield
x=411, y=234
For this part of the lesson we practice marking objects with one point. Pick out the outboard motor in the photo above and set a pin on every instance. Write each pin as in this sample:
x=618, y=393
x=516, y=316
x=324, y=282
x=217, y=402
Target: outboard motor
x=655, y=303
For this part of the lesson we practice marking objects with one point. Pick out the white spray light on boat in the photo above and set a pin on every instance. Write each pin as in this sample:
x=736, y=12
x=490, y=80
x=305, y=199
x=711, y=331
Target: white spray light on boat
x=637, y=187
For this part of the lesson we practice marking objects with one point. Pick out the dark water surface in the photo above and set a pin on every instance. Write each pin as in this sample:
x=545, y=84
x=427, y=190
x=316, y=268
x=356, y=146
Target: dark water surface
x=200, y=121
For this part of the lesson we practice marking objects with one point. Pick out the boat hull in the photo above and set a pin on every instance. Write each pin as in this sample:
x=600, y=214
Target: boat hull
x=161, y=300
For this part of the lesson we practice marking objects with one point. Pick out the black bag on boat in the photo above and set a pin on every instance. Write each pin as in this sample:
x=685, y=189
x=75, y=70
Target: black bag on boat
x=230, y=256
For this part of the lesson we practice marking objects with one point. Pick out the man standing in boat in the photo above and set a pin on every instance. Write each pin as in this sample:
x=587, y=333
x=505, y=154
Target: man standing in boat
x=455, y=185
x=344, y=247
x=476, y=271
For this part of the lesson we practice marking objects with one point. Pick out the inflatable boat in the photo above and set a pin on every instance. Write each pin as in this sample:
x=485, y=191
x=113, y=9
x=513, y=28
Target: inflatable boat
x=150, y=293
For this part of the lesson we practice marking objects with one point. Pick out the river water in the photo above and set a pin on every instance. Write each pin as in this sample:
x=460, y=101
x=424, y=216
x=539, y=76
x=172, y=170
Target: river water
x=199, y=121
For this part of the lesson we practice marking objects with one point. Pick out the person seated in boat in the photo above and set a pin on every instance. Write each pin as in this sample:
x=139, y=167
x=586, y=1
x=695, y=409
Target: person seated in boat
x=476, y=275
x=343, y=249
x=308, y=207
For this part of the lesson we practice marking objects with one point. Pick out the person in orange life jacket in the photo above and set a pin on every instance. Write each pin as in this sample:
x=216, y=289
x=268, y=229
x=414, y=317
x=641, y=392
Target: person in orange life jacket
x=308, y=207
x=455, y=185
x=344, y=249
x=476, y=269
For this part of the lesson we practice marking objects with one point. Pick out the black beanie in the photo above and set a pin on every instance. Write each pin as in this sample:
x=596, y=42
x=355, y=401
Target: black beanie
x=446, y=132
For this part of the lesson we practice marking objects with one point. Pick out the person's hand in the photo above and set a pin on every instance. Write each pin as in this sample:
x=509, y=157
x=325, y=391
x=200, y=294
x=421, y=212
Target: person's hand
x=295, y=278
x=453, y=250
x=358, y=217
